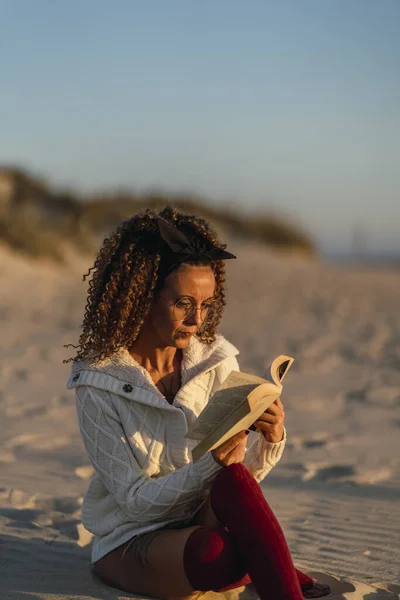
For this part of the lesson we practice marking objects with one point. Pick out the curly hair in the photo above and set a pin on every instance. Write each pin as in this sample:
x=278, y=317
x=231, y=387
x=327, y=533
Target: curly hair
x=127, y=276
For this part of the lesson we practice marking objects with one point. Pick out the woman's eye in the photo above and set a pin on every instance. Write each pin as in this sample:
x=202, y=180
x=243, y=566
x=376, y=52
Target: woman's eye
x=183, y=304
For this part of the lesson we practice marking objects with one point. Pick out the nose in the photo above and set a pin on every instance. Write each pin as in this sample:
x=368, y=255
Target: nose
x=194, y=318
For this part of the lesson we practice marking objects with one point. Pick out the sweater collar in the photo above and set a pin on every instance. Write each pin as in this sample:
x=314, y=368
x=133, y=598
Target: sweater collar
x=197, y=358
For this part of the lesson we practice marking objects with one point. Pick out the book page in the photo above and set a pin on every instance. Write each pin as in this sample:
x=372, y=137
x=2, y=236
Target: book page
x=261, y=401
x=231, y=394
x=239, y=420
x=224, y=404
x=239, y=378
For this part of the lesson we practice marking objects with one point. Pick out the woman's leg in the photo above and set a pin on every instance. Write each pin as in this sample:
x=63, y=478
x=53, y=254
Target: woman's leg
x=151, y=565
x=206, y=517
x=173, y=564
x=258, y=535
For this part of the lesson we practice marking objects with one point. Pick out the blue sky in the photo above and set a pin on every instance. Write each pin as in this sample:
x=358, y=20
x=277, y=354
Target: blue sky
x=292, y=106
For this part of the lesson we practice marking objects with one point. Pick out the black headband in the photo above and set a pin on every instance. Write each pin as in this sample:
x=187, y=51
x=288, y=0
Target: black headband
x=180, y=249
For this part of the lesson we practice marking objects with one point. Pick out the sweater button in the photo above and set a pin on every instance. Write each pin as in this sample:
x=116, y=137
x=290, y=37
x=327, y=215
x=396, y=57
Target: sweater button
x=127, y=387
x=76, y=377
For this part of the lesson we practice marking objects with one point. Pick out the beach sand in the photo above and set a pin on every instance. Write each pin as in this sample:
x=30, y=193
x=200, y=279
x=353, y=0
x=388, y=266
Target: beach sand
x=336, y=491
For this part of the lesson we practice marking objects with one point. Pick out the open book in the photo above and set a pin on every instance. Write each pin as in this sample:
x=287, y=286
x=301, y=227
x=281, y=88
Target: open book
x=236, y=405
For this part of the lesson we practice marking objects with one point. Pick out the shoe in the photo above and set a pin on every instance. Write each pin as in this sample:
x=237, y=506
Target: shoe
x=316, y=590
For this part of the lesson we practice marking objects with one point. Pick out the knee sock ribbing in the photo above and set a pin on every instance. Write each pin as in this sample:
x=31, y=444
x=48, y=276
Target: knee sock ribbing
x=254, y=549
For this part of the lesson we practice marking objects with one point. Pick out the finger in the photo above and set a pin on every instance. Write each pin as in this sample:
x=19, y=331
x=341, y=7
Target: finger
x=238, y=450
x=269, y=419
x=266, y=416
x=242, y=442
x=239, y=436
x=263, y=426
x=272, y=409
x=232, y=442
x=277, y=413
x=278, y=403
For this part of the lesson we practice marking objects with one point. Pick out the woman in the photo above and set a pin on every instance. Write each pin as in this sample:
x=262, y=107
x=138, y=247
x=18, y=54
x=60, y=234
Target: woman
x=149, y=360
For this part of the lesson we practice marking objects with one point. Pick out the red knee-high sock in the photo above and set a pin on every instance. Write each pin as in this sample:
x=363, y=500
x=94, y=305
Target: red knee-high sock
x=238, y=503
x=212, y=560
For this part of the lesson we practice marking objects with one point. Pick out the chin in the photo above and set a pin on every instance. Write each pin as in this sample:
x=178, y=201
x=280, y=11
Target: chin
x=182, y=341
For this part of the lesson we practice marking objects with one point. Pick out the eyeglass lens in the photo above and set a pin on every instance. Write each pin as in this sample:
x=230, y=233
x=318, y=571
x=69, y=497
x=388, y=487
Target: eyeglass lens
x=184, y=308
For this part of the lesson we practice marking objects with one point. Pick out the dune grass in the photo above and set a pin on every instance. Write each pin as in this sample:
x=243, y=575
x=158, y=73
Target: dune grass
x=40, y=222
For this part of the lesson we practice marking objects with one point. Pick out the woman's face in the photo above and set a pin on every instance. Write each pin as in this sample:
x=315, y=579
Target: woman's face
x=185, y=284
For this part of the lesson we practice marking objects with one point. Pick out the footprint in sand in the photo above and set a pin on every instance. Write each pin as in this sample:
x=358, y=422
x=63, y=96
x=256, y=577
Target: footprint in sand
x=32, y=512
x=373, y=476
x=326, y=472
x=22, y=374
x=314, y=443
x=319, y=439
x=387, y=396
x=14, y=411
x=359, y=395
x=60, y=400
x=20, y=499
x=67, y=505
x=345, y=473
x=38, y=442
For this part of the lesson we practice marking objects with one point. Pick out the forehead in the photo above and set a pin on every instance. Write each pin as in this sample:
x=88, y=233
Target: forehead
x=190, y=280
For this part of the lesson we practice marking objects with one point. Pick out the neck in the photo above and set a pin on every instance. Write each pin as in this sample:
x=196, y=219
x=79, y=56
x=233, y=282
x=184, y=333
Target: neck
x=154, y=356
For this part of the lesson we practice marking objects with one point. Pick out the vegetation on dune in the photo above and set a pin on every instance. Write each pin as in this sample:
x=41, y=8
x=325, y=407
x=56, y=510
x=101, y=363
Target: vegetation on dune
x=41, y=222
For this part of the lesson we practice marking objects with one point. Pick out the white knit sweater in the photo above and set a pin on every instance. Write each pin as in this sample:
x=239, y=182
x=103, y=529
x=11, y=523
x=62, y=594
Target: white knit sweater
x=145, y=479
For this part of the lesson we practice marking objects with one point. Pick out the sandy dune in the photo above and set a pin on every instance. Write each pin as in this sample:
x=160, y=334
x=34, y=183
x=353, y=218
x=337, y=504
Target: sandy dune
x=336, y=490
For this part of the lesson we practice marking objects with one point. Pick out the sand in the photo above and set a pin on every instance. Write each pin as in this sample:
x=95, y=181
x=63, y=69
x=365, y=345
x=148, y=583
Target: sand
x=336, y=490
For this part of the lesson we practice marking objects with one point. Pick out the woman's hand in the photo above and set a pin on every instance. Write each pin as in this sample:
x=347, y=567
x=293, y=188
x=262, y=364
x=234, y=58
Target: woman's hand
x=271, y=422
x=231, y=451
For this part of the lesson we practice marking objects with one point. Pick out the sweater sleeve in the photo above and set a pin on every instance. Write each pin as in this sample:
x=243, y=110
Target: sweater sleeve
x=144, y=499
x=261, y=456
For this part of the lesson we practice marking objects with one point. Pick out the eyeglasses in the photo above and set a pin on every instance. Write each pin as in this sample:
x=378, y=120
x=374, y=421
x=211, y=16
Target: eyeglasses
x=184, y=308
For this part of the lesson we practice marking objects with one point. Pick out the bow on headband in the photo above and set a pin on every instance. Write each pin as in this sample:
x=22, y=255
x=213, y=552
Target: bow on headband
x=181, y=249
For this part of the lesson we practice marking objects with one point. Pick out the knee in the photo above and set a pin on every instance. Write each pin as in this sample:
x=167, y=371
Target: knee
x=206, y=544
x=238, y=470
x=234, y=476
x=235, y=489
x=211, y=559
